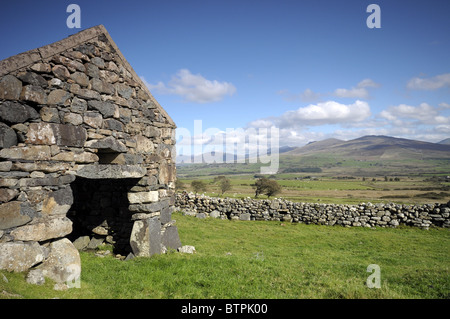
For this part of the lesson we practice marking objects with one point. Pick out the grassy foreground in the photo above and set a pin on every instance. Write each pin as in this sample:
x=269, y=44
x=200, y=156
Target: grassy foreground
x=251, y=259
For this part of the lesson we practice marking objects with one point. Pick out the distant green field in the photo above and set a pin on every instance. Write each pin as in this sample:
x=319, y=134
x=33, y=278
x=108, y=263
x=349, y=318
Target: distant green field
x=351, y=190
x=334, y=179
x=324, y=184
x=326, y=164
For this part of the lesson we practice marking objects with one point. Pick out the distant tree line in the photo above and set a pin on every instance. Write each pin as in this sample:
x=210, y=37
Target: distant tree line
x=262, y=186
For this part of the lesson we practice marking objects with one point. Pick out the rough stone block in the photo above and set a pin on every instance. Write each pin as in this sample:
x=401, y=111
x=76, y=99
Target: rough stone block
x=78, y=105
x=95, y=242
x=99, y=62
x=83, y=157
x=8, y=136
x=58, y=203
x=186, y=249
x=114, y=125
x=49, y=114
x=123, y=90
x=108, y=76
x=44, y=230
x=58, y=97
x=7, y=195
x=14, y=214
x=19, y=256
x=81, y=242
x=93, y=119
x=149, y=208
x=13, y=112
x=61, y=72
x=32, y=78
x=106, y=108
x=10, y=87
x=34, y=93
x=144, y=145
x=102, y=86
x=63, y=263
x=37, y=152
x=143, y=197
x=103, y=171
x=120, y=159
x=215, y=214
x=80, y=78
x=108, y=144
x=41, y=67
x=166, y=173
x=73, y=118
x=6, y=166
x=170, y=238
x=59, y=134
x=88, y=94
x=92, y=70
x=145, y=239
x=166, y=214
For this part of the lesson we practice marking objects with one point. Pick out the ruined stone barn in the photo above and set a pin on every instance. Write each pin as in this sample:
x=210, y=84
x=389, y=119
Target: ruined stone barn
x=87, y=155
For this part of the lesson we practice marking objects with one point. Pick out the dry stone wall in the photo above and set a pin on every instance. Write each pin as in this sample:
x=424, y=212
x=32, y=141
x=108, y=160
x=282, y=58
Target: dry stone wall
x=363, y=215
x=83, y=144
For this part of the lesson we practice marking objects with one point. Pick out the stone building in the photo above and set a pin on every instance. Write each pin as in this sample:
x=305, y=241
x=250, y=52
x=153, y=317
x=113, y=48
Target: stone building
x=86, y=153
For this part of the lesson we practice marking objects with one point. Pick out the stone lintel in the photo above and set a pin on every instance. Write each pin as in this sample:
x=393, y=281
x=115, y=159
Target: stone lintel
x=104, y=171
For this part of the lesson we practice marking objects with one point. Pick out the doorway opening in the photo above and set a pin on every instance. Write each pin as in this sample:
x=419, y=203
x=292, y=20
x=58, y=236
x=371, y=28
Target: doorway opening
x=100, y=211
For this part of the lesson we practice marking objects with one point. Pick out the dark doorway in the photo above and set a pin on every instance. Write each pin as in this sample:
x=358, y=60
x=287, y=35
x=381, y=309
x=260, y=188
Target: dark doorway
x=100, y=211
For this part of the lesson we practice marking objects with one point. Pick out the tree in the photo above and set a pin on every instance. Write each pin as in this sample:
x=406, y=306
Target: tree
x=267, y=187
x=273, y=188
x=224, y=185
x=218, y=178
x=198, y=186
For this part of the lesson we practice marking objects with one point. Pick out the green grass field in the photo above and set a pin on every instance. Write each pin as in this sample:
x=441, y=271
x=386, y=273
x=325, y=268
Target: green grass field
x=239, y=259
x=328, y=164
x=349, y=190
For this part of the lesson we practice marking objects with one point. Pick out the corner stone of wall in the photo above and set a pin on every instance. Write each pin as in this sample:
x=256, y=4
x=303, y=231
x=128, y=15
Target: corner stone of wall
x=362, y=215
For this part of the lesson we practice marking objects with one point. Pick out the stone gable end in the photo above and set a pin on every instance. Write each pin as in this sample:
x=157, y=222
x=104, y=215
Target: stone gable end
x=85, y=151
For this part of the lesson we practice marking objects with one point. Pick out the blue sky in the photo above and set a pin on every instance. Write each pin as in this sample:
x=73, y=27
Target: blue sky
x=313, y=69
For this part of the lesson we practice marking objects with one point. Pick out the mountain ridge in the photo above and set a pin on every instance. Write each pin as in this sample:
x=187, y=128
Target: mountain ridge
x=376, y=146
x=368, y=147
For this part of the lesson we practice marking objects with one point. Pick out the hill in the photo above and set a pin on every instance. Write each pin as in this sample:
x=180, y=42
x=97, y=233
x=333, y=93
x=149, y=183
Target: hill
x=373, y=147
x=446, y=141
x=315, y=146
x=365, y=156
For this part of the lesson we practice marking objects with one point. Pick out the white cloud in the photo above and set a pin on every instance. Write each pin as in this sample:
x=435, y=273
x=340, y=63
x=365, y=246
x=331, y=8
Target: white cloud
x=360, y=91
x=422, y=114
x=445, y=129
x=309, y=96
x=433, y=83
x=366, y=83
x=193, y=87
x=265, y=123
x=329, y=112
